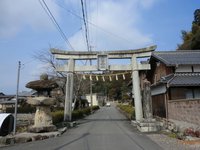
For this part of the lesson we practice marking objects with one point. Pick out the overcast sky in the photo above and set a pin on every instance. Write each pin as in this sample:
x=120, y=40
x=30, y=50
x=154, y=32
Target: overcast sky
x=26, y=29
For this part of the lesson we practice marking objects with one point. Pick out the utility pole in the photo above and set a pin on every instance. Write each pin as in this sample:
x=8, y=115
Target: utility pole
x=91, y=98
x=16, y=102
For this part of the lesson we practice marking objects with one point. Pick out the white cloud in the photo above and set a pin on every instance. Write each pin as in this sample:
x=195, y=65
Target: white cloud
x=14, y=15
x=119, y=21
x=147, y=3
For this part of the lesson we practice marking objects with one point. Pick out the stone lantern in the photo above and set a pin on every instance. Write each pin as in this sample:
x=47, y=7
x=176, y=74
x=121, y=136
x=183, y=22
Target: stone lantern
x=43, y=101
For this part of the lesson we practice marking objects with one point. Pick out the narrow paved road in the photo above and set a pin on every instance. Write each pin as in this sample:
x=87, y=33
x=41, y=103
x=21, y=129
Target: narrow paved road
x=107, y=129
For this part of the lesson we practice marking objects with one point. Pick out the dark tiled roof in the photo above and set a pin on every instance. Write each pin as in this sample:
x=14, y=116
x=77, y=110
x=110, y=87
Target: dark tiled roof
x=167, y=78
x=185, y=79
x=180, y=79
x=183, y=57
x=164, y=79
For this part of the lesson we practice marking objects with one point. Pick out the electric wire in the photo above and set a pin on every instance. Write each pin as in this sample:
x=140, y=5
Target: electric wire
x=91, y=23
x=51, y=16
x=85, y=24
x=86, y=18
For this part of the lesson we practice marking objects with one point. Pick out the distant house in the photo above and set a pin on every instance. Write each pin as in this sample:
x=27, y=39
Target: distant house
x=9, y=100
x=31, y=93
x=97, y=99
x=175, y=78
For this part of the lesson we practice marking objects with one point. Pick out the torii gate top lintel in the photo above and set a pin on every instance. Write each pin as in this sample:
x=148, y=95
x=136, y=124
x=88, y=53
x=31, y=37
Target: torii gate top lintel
x=122, y=54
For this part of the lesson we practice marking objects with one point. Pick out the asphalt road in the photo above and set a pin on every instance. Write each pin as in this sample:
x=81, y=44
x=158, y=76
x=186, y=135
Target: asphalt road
x=107, y=129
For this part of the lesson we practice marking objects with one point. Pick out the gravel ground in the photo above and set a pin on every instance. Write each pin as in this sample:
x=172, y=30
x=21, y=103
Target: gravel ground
x=168, y=143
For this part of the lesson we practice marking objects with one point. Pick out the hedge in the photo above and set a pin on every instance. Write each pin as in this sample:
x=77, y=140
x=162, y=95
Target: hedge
x=58, y=115
x=95, y=107
x=128, y=110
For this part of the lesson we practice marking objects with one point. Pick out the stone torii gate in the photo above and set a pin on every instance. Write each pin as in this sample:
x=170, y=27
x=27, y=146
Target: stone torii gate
x=102, y=65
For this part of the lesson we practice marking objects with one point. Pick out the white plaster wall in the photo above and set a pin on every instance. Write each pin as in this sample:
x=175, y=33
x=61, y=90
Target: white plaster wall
x=184, y=69
x=196, y=68
x=156, y=90
x=94, y=99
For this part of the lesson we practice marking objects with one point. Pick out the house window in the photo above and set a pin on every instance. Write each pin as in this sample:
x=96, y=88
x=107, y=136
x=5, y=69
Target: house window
x=184, y=93
x=177, y=93
x=189, y=94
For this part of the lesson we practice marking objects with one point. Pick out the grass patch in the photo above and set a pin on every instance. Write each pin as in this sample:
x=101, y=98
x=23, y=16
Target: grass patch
x=128, y=110
x=172, y=135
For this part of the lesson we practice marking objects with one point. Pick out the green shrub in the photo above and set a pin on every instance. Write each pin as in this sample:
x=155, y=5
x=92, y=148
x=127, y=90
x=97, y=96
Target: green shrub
x=77, y=114
x=86, y=111
x=57, y=116
x=95, y=107
x=128, y=109
x=172, y=135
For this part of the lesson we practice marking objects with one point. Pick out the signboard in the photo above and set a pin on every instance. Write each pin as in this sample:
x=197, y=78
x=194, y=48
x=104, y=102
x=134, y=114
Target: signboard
x=102, y=61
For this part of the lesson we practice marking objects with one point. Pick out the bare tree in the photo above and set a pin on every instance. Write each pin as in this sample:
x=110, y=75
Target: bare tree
x=80, y=86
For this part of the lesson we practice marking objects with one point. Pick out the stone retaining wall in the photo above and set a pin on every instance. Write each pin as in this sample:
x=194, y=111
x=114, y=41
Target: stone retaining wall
x=184, y=110
x=25, y=119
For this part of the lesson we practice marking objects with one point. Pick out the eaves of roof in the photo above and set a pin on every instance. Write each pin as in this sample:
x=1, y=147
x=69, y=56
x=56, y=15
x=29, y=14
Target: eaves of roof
x=160, y=59
x=180, y=80
x=173, y=58
x=185, y=79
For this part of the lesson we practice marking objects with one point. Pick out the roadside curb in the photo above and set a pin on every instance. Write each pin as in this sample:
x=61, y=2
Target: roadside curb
x=29, y=137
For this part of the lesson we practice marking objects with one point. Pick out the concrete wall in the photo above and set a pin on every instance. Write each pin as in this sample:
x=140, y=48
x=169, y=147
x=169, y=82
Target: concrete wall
x=94, y=99
x=185, y=110
x=97, y=99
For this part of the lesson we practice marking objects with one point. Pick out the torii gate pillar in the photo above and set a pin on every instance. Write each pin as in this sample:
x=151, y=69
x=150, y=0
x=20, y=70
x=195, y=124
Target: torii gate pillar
x=69, y=91
x=136, y=90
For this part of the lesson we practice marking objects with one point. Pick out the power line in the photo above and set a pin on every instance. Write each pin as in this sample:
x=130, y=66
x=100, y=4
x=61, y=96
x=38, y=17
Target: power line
x=85, y=24
x=97, y=22
x=91, y=23
x=88, y=46
x=86, y=18
x=49, y=13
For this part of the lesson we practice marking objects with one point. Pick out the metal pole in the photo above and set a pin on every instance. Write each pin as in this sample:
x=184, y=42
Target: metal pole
x=71, y=95
x=16, y=102
x=91, y=88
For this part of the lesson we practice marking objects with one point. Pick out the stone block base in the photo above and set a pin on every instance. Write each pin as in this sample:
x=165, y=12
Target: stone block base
x=148, y=126
x=35, y=129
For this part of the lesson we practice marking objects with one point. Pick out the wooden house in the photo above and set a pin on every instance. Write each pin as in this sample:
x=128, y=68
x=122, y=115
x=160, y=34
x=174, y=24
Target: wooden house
x=175, y=79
